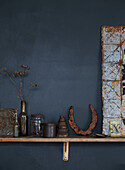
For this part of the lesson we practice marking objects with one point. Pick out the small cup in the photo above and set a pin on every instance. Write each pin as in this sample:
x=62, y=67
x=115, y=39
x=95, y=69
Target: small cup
x=49, y=130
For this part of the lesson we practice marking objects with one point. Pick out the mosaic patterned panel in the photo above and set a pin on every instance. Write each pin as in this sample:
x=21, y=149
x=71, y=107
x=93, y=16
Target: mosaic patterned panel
x=111, y=71
x=111, y=90
x=7, y=119
x=106, y=124
x=111, y=53
x=111, y=35
x=113, y=76
x=111, y=108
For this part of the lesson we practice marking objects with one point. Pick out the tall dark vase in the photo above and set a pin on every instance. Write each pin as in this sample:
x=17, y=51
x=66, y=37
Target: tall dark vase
x=23, y=120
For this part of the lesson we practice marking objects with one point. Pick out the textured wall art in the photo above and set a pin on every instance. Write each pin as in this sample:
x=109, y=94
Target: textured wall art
x=7, y=119
x=113, y=79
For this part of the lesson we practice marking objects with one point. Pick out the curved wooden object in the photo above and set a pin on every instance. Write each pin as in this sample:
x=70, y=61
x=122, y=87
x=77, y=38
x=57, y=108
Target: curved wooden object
x=74, y=126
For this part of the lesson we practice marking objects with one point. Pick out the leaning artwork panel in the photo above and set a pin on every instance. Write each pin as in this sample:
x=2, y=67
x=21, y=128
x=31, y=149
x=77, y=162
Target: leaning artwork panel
x=113, y=80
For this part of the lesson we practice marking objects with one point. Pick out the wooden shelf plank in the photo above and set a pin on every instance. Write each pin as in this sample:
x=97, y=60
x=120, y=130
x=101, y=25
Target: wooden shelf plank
x=68, y=139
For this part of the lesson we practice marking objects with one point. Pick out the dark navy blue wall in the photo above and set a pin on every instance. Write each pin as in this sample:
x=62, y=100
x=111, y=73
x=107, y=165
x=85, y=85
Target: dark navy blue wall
x=60, y=41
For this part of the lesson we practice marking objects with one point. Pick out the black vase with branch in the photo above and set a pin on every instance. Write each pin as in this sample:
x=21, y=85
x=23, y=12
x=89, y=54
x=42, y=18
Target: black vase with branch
x=17, y=78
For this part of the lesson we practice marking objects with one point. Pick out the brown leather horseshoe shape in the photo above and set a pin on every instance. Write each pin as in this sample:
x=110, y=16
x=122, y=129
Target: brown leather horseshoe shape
x=74, y=126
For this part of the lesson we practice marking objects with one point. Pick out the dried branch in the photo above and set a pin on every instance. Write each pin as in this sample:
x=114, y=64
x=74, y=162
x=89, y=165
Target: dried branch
x=25, y=66
x=32, y=85
x=20, y=92
x=19, y=74
x=6, y=72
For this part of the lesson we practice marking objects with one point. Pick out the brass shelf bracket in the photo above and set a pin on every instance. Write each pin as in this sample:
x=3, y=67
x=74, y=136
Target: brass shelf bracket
x=66, y=151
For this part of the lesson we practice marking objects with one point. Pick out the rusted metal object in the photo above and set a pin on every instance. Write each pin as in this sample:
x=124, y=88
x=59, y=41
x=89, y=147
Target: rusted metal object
x=49, y=130
x=113, y=77
x=74, y=126
x=7, y=120
x=62, y=128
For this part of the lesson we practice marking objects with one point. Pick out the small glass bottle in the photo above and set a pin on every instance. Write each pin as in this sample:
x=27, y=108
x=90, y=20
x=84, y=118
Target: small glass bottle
x=16, y=126
x=23, y=120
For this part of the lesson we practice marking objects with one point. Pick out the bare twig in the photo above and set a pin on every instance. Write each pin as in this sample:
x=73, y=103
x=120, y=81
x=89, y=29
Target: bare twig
x=25, y=66
x=21, y=73
x=32, y=85
x=20, y=92
x=7, y=74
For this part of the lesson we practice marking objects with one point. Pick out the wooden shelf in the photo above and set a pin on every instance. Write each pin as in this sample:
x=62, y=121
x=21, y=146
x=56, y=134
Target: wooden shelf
x=68, y=139
x=65, y=141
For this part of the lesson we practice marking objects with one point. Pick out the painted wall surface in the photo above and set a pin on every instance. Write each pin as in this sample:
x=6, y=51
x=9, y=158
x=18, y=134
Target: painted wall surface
x=61, y=42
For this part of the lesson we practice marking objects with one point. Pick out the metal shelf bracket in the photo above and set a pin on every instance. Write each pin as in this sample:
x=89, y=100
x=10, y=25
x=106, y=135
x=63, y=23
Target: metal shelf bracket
x=66, y=151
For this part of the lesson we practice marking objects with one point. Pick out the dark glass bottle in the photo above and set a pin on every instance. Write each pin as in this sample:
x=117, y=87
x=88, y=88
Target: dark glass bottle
x=23, y=120
x=16, y=126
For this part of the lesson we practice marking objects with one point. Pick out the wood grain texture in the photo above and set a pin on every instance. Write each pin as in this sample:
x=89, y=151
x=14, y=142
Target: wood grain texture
x=68, y=139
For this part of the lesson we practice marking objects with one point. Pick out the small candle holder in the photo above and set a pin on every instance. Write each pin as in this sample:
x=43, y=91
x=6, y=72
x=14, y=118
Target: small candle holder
x=62, y=128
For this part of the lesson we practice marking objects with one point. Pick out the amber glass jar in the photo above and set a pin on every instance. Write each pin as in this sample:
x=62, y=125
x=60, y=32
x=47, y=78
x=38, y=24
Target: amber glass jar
x=36, y=125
